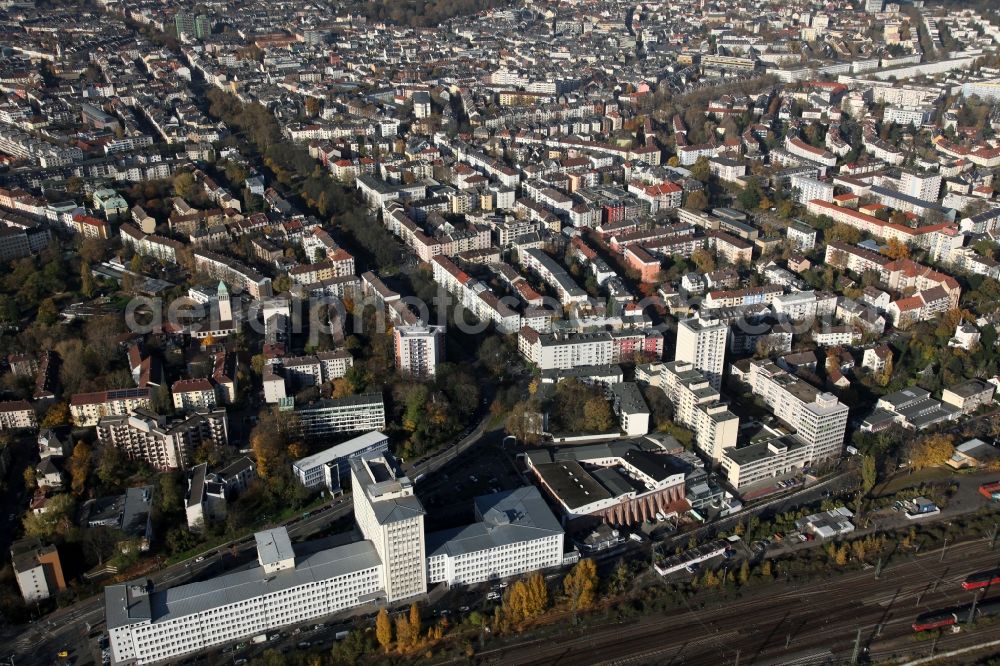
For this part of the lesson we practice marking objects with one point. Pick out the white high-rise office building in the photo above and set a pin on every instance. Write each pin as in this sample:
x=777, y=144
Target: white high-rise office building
x=392, y=518
x=419, y=349
x=703, y=345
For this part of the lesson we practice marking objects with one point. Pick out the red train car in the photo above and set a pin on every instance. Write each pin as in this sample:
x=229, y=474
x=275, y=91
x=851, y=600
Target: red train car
x=981, y=579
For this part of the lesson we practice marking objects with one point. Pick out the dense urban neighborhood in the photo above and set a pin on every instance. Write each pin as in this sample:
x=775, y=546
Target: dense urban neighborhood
x=499, y=332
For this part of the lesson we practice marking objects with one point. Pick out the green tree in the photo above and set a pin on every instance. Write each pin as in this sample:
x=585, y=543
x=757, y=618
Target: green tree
x=744, y=575
x=57, y=415
x=701, y=170
x=184, y=185
x=86, y=280
x=57, y=520
x=869, y=474
x=48, y=313
x=696, y=200
x=414, y=622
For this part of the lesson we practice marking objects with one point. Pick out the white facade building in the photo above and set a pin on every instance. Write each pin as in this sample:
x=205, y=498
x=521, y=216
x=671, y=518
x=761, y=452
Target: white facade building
x=696, y=405
x=418, y=349
x=703, y=345
x=327, y=467
x=819, y=419
x=549, y=351
x=146, y=625
x=515, y=532
x=392, y=518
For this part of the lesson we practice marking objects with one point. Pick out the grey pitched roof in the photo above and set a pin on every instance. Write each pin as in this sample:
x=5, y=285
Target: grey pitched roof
x=123, y=606
x=507, y=517
x=400, y=508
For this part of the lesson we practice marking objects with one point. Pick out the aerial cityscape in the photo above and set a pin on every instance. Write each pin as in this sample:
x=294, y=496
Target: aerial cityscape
x=500, y=332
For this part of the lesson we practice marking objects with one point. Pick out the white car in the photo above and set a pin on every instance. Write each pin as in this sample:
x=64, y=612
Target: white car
x=200, y=558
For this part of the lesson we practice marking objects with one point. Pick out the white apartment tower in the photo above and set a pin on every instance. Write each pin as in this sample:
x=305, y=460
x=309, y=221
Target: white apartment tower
x=392, y=518
x=419, y=349
x=819, y=419
x=703, y=345
x=923, y=186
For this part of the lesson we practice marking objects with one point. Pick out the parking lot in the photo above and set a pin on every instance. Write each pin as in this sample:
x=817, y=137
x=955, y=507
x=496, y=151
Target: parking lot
x=448, y=494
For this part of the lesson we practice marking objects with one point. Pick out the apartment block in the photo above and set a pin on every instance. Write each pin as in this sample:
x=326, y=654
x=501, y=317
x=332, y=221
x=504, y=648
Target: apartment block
x=418, y=349
x=17, y=414
x=819, y=419
x=697, y=405
x=550, y=351
x=88, y=408
x=37, y=568
x=163, y=443
x=193, y=394
x=703, y=345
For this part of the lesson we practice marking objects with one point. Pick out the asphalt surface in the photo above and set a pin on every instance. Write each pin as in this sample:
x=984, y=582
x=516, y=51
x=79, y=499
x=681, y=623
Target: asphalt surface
x=70, y=628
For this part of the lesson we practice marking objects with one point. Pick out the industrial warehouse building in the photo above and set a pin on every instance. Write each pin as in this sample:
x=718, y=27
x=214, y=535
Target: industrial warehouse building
x=624, y=482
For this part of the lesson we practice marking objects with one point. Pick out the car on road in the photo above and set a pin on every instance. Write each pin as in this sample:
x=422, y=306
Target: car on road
x=463, y=609
x=200, y=558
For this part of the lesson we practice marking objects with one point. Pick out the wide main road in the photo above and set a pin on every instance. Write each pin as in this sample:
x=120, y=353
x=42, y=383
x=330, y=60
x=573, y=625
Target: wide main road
x=779, y=623
x=68, y=628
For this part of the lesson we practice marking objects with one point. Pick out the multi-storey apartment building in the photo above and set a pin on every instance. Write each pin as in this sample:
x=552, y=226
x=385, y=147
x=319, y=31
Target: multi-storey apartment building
x=37, y=568
x=696, y=403
x=549, y=351
x=418, y=349
x=193, y=394
x=703, y=344
x=16, y=414
x=88, y=408
x=233, y=272
x=163, y=443
x=819, y=419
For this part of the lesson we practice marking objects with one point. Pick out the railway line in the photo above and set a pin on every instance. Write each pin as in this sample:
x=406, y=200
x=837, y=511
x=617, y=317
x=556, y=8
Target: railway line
x=812, y=623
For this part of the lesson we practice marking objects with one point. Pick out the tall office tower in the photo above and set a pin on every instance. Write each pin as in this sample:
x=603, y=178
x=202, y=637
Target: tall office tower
x=703, y=345
x=419, y=349
x=392, y=518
